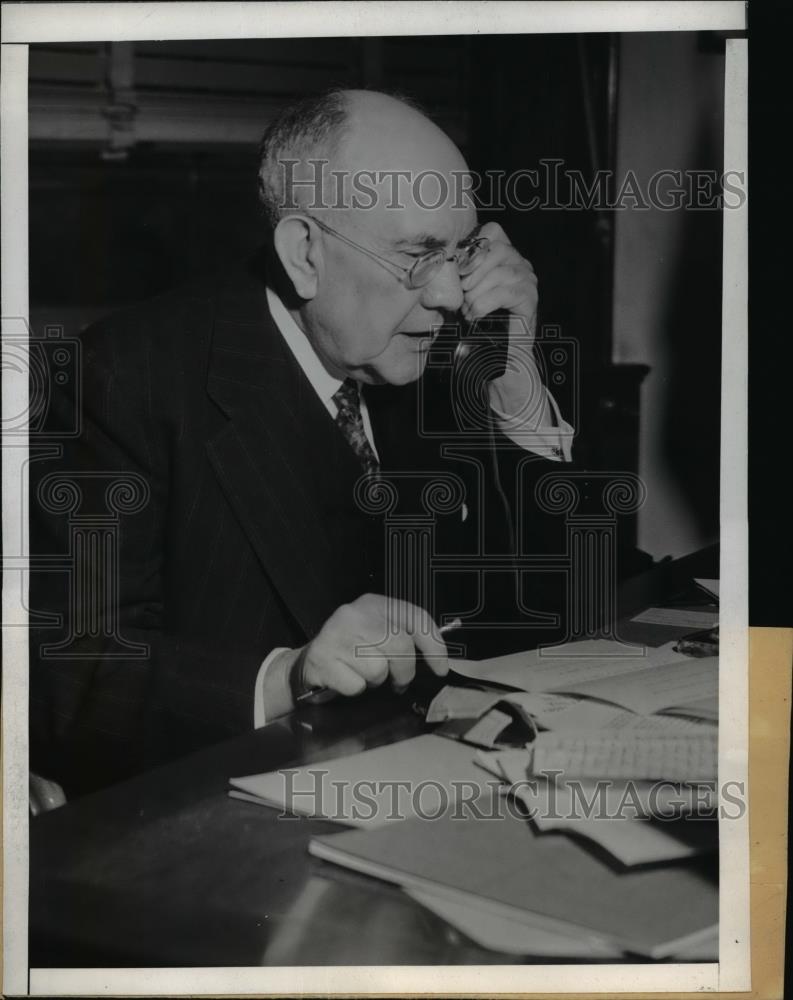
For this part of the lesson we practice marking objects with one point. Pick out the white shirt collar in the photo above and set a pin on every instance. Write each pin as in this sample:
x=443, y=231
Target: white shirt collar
x=324, y=384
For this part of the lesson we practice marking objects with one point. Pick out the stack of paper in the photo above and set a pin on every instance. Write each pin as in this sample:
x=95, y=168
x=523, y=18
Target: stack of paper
x=678, y=618
x=374, y=787
x=644, y=799
x=514, y=937
x=545, y=895
x=711, y=587
x=615, y=815
x=502, y=867
x=587, y=739
x=642, y=680
x=571, y=714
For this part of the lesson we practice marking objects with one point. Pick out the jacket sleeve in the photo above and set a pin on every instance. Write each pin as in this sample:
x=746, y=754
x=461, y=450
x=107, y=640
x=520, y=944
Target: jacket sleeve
x=110, y=687
x=96, y=533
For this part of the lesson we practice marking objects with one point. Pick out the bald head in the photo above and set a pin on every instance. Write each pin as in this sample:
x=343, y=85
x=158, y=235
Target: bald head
x=311, y=155
x=385, y=133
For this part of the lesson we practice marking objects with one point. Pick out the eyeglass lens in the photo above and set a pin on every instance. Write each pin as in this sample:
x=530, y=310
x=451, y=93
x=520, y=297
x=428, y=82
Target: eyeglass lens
x=425, y=268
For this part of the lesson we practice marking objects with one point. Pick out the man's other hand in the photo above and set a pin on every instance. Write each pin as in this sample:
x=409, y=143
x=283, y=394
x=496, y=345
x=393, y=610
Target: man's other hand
x=364, y=643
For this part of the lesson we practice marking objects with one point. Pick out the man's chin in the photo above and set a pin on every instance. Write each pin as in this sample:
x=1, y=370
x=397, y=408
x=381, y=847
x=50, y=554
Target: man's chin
x=407, y=367
x=409, y=370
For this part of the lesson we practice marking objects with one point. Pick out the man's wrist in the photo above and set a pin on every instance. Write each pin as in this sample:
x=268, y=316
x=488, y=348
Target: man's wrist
x=519, y=398
x=295, y=666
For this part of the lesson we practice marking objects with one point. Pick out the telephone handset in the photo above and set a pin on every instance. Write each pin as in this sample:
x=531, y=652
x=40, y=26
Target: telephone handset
x=464, y=358
x=482, y=344
x=465, y=348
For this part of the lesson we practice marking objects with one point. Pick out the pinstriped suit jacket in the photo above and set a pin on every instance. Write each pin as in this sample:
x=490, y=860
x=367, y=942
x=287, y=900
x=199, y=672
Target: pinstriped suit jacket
x=249, y=540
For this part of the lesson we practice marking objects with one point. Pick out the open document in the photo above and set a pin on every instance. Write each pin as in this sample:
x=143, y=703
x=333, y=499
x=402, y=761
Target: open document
x=646, y=681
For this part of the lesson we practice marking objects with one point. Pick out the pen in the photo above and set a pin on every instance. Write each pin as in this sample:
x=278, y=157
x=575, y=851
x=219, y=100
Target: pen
x=313, y=692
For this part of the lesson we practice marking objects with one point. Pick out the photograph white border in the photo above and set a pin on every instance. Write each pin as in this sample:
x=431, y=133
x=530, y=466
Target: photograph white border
x=75, y=22
x=26, y=23
x=14, y=298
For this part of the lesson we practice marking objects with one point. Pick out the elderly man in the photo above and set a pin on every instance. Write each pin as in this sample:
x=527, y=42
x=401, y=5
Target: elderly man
x=257, y=409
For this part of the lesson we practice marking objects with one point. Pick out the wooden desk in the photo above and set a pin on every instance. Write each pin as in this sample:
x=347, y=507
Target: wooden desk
x=167, y=870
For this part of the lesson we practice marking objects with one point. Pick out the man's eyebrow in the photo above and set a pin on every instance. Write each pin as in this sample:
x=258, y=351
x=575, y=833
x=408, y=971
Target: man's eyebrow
x=425, y=240
x=429, y=242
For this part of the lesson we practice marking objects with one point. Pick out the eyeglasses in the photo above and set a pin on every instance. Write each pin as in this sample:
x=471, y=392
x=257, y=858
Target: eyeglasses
x=467, y=256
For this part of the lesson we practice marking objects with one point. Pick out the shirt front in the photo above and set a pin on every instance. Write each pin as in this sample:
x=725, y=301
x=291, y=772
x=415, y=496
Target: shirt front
x=323, y=383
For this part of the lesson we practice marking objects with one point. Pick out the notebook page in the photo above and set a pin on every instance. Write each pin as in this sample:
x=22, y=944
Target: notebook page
x=612, y=797
x=562, y=668
x=679, y=758
x=655, y=688
x=571, y=714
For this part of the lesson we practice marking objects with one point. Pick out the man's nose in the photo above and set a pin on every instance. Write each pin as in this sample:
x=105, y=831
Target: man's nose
x=444, y=291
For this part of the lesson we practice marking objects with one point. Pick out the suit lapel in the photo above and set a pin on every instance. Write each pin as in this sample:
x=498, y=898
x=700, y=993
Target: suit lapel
x=280, y=458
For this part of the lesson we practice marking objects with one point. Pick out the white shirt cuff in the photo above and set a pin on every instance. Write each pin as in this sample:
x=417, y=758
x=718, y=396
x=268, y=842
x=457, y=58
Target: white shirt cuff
x=538, y=429
x=259, y=712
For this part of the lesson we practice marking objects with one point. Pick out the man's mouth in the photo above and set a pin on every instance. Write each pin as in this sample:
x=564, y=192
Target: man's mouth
x=428, y=335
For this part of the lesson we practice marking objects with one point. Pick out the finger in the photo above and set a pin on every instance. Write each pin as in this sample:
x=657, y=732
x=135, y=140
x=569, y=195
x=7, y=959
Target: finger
x=493, y=231
x=401, y=653
x=418, y=624
x=497, y=254
x=339, y=676
x=402, y=666
x=501, y=300
x=371, y=662
x=497, y=298
x=506, y=275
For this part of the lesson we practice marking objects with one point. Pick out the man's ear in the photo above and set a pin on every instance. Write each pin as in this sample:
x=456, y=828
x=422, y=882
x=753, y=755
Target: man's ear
x=298, y=247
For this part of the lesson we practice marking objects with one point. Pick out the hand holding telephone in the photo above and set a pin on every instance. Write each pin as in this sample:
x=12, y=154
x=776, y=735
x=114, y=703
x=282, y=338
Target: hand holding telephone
x=498, y=315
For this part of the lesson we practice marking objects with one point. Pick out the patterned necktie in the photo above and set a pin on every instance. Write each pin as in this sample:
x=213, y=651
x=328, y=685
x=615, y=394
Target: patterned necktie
x=350, y=422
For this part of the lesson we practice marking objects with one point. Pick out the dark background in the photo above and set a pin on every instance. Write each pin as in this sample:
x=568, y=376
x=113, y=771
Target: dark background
x=770, y=351
x=143, y=174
